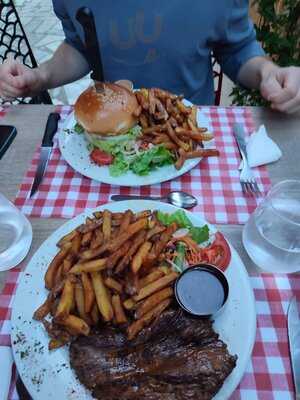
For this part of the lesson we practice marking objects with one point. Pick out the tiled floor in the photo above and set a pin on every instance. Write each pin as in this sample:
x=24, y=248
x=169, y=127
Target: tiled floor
x=45, y=34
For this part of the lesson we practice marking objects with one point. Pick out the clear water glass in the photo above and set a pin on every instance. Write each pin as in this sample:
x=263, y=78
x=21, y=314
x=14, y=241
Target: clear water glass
x=15, y=235
x=272, y=234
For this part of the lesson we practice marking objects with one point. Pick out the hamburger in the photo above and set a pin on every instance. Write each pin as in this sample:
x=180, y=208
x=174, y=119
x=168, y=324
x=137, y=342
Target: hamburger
x=106, y=110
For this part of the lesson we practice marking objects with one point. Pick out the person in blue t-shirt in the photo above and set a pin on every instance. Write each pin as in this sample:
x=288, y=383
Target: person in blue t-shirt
x=165, y=44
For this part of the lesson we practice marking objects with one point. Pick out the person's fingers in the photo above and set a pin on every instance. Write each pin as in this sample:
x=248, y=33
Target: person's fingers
x=10, y=90
x=25, y=78
x=270, y=86
x=290, y=106
x=291, y=86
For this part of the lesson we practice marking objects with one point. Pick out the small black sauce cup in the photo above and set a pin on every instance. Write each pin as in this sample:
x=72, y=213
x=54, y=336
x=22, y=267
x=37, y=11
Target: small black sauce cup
x=216, y=274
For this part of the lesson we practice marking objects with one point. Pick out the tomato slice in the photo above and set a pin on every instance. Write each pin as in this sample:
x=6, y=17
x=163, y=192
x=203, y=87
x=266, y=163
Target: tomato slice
x=218, y=253
x=101, y=157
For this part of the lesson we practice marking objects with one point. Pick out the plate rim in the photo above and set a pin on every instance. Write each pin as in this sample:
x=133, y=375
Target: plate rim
x=148, y=205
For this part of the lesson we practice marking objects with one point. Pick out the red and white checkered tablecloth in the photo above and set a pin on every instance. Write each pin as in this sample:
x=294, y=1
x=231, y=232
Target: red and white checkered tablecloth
x=215, y=181
x=268, y=375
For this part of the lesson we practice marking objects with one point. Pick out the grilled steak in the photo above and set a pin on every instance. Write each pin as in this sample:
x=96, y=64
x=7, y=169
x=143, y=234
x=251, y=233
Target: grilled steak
x=177, y=357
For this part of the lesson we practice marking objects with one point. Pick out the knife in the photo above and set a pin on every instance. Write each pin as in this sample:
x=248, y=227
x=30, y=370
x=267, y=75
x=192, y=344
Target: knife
x=86, y=18
x=46, y=148
x=294, y=342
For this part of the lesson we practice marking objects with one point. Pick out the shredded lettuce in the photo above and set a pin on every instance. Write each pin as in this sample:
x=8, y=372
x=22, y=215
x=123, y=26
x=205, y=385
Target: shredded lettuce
x=116, y=146
x=198, y=234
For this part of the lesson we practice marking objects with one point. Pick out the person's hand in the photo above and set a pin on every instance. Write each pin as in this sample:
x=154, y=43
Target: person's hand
x=18, y=80
x=281, y=86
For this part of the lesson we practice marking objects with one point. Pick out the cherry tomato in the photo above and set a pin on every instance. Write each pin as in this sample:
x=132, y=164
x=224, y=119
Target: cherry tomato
x=100, y=157
x=218, y=253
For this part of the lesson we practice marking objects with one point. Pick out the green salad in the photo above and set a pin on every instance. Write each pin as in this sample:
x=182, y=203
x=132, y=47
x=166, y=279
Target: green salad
x=128, y=153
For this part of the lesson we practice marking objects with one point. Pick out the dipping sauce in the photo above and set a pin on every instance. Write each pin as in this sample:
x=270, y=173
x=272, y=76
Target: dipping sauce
x=202, y=290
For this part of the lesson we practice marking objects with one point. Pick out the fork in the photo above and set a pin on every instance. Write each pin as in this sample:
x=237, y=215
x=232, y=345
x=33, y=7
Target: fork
x=247, y=179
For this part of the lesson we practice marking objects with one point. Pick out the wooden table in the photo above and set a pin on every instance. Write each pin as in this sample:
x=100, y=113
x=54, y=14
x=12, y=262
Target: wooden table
x=30, y=122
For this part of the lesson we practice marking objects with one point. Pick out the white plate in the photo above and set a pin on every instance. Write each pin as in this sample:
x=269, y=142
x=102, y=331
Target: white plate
x=74, y=150
x=47, y=375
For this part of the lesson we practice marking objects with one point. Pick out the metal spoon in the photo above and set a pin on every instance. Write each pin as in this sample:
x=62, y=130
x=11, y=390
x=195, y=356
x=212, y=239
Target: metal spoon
x=179, y=199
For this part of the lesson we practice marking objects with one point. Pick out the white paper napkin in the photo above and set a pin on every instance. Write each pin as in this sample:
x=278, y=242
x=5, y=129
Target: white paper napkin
x=6, y=362
x=261, y=149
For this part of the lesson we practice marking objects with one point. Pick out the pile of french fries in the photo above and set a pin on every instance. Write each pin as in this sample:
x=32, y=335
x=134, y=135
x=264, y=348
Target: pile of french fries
x=108, y=270
x=166, y=120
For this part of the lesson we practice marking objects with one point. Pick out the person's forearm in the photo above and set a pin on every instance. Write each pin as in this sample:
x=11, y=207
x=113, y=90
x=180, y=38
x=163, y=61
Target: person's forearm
x=66, y=65
x=254, y=70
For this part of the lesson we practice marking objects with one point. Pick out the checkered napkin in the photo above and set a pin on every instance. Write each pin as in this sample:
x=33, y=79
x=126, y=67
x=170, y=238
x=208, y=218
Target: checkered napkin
x=215, y=181
x=268, y=375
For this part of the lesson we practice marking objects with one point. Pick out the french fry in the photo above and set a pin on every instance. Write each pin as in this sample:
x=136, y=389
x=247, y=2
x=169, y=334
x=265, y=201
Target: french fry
x=58, y=276
x=89, y=227
x=136, y=243
x=44, y=309
x=86, y=239
x=106, y=227
x=152, y=302
x=181, y=159
x=118, y=309
x=125, y=221
x=67, y=264
x=133, y=228
x=116, y=255
x=203, y=153
x=93, y=253
x=98, y=214
x=175, y=139
x=113, y=284
x=76, y=244
x=102, y=297
x=89, y=266
x=142, y=215
x=79, y=300
x=166, y=270
x=153, y=276
x=95, y=315
x=155, y=286
x=160, y=244
x=55, y=263
x=129, y=304
x=98, y=239
x=66, y=301
x=138, y=325
x=75, y=325
x=182, y=108
x=140, y=256
x=89, y=295
x=56, y=344
x=67, y=238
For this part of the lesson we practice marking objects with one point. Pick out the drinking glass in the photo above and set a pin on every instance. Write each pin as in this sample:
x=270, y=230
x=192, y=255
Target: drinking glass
x=15, y=235
x=271, y=236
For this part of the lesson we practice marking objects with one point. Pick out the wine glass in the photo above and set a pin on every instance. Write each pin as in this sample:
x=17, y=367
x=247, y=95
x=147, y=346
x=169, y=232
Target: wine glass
x=271, y=236
x=15, y=235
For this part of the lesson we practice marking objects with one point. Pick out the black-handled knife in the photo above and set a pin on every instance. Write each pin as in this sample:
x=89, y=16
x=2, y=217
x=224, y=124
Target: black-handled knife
x=47, y=144
x=86, y=18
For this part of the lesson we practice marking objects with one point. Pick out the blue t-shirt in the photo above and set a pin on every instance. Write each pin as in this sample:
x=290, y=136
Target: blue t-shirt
x=167, y=44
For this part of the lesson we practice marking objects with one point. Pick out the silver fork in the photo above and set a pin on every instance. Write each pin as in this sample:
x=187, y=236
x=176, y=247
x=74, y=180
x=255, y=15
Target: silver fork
x=247, y=179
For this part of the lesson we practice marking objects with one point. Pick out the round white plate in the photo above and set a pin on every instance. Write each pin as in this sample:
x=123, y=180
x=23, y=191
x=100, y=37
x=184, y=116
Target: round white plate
x=74, y=150
x=47, y=375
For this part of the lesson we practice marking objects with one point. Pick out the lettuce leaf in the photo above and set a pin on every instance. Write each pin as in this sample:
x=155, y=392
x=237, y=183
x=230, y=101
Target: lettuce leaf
x=198, y=234
x=158, y=156
x=119, y=166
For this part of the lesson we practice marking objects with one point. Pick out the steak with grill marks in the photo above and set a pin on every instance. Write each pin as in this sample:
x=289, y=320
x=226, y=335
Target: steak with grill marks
x=175, y=358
